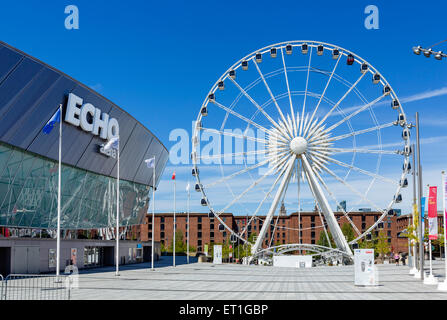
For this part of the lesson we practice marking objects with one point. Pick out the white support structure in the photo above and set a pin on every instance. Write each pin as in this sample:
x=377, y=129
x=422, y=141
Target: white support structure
x=339, y=238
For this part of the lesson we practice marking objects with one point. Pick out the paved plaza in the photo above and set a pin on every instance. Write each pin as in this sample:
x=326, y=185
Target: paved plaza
x=205, y=281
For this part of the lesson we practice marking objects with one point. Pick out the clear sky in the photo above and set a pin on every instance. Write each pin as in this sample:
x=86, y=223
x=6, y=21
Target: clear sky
x=158, y=60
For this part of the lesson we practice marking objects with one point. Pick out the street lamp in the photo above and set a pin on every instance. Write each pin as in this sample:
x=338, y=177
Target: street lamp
x=428, y=52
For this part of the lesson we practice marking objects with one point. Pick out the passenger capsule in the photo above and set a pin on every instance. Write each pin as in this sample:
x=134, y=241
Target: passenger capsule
x=221, y=227
x=386, y=90
x=350, y=60
x=403, y=183
x=273, y=52
x=391, y=212
x=364, y=68
x=368, y=236
x=204, y=111
x=211, y=215
x=232, y=74
x=380, y=225
x=245, y=65
x=335, y=54
x=406, y=134
x=304, y=48
x=212, y=97
x=408, y=150
x=258, y=58
x=320, y=50
x=289, y=49
x=198, y=187
x=406, y=167
x=221, y=85
x=203, y=202
x=401, y=119
x=427, y=53
x=438, y=55
x=395, y=104
x=376, y=78
x=195, y=172
x=398, y=198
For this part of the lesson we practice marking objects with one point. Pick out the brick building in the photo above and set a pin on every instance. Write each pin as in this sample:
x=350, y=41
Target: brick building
x=205, y=230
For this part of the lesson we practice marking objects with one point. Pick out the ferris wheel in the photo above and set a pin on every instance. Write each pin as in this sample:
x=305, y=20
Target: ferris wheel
x=300, y=124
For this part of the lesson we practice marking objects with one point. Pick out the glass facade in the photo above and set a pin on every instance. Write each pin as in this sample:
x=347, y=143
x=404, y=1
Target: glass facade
x=28, y=195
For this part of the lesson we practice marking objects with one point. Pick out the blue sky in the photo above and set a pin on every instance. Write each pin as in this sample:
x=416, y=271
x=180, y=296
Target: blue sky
x=158, y=60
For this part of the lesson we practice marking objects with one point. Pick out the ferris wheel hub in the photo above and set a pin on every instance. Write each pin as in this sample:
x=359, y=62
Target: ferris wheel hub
x=298, y=145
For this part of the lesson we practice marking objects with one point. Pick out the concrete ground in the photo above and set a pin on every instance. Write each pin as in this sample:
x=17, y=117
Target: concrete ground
x=205, y=281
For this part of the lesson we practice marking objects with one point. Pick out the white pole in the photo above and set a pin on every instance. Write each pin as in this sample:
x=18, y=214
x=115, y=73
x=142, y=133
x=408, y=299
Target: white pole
x=117, y=212
x=58, y=237
x=443, y=285
x=173, y=245
x=187, y=229
x=153, y=216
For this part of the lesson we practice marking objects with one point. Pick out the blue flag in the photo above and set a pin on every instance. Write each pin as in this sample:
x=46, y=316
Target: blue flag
x=50, y=124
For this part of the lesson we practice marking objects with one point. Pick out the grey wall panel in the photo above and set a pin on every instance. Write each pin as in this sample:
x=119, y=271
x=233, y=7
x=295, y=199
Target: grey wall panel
x=9, y=60
x=144, y=174
x=26, y=102
x=17, y=82
x=35, y=120
x=133, y=152
x=104, y=164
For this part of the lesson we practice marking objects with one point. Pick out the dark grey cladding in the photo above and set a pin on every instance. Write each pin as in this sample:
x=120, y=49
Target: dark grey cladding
x=30, y=93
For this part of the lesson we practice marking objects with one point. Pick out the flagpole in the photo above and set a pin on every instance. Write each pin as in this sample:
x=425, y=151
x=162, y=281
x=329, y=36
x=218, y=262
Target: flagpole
x=187, y=229
x=443, y=285
x=58, y=238
x=173, y=246
x=117, y=212
x=153, y=215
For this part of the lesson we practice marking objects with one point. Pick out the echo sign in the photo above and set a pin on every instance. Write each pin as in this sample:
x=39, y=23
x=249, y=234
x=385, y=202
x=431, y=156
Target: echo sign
x=98, y=123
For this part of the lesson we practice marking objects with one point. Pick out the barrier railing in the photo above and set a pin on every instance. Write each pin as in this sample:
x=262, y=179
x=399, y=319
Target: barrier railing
x=35, y=287
x=1, y=287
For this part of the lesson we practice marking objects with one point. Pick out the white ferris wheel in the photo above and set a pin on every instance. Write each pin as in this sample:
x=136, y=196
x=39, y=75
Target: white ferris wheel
x=304, y=124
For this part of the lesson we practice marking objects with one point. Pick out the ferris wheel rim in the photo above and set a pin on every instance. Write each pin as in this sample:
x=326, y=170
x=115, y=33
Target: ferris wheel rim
x=312, y=44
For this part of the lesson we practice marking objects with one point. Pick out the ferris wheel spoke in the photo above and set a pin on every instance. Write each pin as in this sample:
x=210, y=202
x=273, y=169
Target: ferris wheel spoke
x=225, y=133
x=292, y=112
x=234, y=113
x=235, y=154
x=260, y=164
x=346, y=150
x=351, y=188
x=356, y=133
x=305, y=93
x=324, y=91
x=255, y=103
x=265, y=198
x=366, y=172
x=271, y=94
x=254, y=184
x=341, y=99
x=366, y=106
x=331, y=194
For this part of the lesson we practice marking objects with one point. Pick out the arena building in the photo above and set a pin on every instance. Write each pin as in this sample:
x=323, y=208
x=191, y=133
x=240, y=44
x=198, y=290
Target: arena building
x=30, y=94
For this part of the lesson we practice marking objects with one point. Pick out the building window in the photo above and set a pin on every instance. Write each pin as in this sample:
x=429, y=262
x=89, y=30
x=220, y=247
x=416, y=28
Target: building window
x=149, y=235
x=199, y=219
x=363, y=218
x=199, y=234
x=312, y=234
x=312, y=241
x=389, y=233
x=389, y=225
x=199, y=242
x=224, y=234
x=363, y=226
x=162, y=235
x=162, y=227
x=212, y=226
x=199, y=227
x=283, y=234
x=211, y=234
x=162, y=220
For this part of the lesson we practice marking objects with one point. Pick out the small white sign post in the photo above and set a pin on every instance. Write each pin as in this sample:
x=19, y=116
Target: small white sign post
x=365, y=272
x=217, y=254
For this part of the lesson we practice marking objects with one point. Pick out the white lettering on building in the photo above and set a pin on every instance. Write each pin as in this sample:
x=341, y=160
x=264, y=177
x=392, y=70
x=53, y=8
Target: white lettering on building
x=90, y=119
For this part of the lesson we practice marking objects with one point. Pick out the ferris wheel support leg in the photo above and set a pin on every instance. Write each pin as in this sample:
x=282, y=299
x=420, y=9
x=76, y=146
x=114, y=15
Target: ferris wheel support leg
x=285, y=180
x=339, y=238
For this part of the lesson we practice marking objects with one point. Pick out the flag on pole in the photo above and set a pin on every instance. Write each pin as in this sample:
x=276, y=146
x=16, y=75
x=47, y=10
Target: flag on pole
x=432, y=214
x=50, y=124
x=112, y=143
x=150, y=162
x=173, y=176
x=422, y=215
